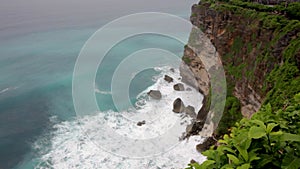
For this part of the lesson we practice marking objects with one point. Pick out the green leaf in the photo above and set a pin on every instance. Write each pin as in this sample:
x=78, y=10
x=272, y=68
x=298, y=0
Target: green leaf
x=297, y=98
x=242, y=139
x=244, y=166
x=243, y=152
x=234, y=159
x=277, y=133
x=260, y=123
x=253, y=156
x=227, y=166
x=206, y=164
x=223, y=141
x=265, y=159
x=256, y=132
x=196, y=166
x=227, y=149
x=268, y=108
x=209, y=153
x=270, y=127
x=292, y=164
x=247, y=143
x=290, y=137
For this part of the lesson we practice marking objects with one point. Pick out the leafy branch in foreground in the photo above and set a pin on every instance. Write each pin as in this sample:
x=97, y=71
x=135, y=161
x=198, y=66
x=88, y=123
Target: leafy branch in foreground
x=267, y=140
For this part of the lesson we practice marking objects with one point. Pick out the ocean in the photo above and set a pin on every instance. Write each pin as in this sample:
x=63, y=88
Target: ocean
x=39, y=44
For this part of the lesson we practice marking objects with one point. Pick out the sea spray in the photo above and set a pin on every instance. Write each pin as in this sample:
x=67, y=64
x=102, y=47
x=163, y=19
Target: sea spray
x=72, y=148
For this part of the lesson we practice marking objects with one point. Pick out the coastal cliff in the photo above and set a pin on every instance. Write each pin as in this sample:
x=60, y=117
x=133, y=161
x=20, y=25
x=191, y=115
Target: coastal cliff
x=259, y=46
x=259, y=49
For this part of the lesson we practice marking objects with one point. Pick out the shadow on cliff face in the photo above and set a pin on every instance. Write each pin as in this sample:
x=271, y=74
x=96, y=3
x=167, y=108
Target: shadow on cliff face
x=204, y=71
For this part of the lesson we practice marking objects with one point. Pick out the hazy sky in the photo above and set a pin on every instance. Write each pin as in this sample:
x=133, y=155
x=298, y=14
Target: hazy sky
x=20, y=17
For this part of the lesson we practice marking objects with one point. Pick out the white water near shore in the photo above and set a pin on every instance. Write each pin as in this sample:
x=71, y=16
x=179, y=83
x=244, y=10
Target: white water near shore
x=71, y=148
x=8, y=89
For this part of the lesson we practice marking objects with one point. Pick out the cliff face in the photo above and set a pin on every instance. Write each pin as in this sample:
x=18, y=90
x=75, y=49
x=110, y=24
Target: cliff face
x=259, y=46
x=229, y=37
x=254, y=46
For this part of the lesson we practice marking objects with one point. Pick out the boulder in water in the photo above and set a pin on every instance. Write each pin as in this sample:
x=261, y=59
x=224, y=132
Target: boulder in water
x=155, y=94
x=188, y=89
x=194, y=128
x=178, y=106
x=179, y=87
x=141, y=123
x=168, y=78
x=190, y=110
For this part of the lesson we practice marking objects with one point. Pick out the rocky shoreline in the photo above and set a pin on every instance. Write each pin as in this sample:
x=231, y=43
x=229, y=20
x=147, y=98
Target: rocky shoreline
x=179, y=107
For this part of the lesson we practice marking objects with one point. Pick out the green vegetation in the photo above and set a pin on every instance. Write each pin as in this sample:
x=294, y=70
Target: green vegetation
x=237, y=45
x=236, y=71
x=193, y=15
x=285, y=82
x=186, y=60
x=230, y=116
x=291, y=10
x=271, y=138
x=282, y=82
x=268, y=140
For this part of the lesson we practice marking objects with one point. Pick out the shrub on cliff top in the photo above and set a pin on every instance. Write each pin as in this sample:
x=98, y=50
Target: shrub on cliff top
x=291, y=10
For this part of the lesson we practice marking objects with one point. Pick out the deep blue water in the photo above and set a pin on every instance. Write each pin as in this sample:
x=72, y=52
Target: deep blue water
x=39, y=44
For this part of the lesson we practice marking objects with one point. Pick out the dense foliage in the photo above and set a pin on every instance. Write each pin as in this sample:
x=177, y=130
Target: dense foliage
x=291, y=10
x=267, y=140
x=271, y=138
x=230, y=116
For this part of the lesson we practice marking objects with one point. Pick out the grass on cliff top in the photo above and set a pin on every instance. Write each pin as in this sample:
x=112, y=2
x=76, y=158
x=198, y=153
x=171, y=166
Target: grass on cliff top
x=283, y=81
x=290, y=10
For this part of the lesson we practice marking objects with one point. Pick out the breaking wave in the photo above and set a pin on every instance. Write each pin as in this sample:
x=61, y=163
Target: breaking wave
x=70, y=147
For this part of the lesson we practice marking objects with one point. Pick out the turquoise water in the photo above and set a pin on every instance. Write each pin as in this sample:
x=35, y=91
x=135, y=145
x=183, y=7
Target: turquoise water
x=119, y=52
x=36, y=84
x=39, y=86
x=53, y=96
x=36, y=75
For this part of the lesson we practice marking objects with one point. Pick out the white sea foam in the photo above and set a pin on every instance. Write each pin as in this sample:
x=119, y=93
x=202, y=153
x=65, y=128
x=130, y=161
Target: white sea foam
x=7, y=89
x=102, y=92
x=73, y=148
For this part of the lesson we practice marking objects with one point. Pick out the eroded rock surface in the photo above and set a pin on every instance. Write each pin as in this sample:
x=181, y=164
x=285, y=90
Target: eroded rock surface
x=179, y=87
x=168, y=79
x=178, y=106
x=190, y=111
x=155, y=94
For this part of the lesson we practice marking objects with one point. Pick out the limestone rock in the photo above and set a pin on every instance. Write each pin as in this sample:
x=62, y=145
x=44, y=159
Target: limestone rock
x=190, y=110
x=206, y=144
x=168, y=78
x=188, y=89
x=141, y=123
x=178, y=106
x=155, y=94
x=179, y=87
x=194, y=128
